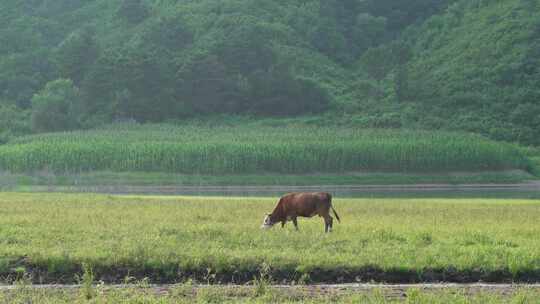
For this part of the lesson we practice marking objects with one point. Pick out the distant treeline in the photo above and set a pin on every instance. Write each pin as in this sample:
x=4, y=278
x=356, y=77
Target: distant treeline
x=445, y=64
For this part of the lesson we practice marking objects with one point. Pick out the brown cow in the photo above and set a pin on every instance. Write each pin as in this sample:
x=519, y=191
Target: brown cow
x=294, y=205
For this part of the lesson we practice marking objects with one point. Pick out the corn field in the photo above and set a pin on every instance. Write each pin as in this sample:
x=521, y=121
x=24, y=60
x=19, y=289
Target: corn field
x=244, y=149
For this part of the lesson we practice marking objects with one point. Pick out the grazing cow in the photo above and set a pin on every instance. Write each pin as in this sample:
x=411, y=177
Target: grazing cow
x=294, y=205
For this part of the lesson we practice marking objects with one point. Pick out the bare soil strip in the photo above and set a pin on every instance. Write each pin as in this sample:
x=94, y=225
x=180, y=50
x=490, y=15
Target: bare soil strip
x=531, y=186
x=388, y=290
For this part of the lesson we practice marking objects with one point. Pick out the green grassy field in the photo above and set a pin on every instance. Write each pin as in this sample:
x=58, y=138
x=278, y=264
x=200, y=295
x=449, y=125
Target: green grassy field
x=213, y=240
x=257, y=149
x=186, y=294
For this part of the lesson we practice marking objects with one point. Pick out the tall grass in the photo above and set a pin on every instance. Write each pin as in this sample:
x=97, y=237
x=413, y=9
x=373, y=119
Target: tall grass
x=246, y=149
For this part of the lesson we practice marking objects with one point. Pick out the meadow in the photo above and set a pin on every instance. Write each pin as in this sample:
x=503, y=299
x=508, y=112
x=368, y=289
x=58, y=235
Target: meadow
x=49, y=237
x=255, y=149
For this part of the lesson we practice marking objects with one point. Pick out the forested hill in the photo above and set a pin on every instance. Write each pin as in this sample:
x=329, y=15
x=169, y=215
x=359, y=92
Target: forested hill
x=449, y=64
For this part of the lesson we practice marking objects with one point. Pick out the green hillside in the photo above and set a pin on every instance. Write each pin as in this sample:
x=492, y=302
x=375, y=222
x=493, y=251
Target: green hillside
x=478, y=68
x=430, y=64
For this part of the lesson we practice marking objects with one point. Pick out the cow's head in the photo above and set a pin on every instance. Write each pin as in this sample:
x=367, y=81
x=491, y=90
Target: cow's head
x=267, y=223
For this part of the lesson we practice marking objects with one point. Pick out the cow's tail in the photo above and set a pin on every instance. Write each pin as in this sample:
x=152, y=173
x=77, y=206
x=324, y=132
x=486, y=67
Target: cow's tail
x=335, y=213
x=333, y=210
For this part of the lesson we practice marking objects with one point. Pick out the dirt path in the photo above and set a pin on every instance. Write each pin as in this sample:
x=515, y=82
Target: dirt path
x=389, y=291
x=528, y=187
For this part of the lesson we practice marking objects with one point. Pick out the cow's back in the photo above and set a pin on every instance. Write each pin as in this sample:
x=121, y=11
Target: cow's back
x=306, y=204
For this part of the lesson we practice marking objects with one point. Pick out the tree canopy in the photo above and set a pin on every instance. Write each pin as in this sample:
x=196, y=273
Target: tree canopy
x=449, y=64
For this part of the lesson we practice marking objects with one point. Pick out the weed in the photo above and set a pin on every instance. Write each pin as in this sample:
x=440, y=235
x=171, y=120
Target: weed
x=264, y=280
x=87, y=282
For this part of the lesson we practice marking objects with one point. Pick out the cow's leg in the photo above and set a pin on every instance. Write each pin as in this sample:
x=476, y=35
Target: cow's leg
x=295, y=222
x=283, y=224
x=328, y=221
x=331, y=225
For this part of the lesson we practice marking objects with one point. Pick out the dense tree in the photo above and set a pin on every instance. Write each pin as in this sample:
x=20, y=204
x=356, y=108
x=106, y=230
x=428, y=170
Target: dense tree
x=76, y=54
x=277, y=92
x=55, y=107
x=133, y=11
x=402, y=13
